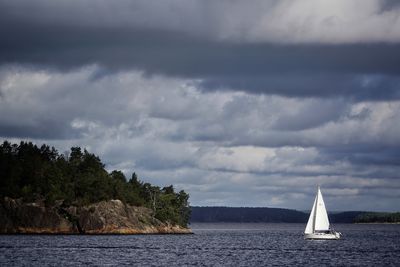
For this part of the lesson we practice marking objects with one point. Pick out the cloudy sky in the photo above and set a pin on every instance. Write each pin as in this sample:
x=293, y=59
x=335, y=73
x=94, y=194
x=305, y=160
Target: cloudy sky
x=239, y=103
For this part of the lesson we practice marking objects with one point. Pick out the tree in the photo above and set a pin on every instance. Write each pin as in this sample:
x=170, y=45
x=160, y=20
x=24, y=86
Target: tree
x=118, y=175
x=184, y=208
x=31, y=173
x=76, y=156
x=168, y=190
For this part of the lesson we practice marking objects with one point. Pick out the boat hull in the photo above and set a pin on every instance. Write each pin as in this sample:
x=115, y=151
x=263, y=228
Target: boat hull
x=323, y=236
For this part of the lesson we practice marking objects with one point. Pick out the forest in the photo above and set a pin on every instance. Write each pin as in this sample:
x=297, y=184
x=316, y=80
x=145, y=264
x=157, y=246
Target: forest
x=246, y=215
x=378, y=217
x=276, y=215
x=79, y=178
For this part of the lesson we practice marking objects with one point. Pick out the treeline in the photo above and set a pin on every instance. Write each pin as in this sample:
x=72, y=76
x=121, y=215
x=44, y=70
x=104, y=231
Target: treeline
x=345, y=216
x=79, y=178
x=237, y=214
x=378, y=217
x=265, y=215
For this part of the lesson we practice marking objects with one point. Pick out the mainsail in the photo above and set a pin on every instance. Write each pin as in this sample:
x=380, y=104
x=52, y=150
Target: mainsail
x=318, y=220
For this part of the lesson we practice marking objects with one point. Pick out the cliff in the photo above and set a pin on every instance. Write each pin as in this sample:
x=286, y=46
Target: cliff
x=105, y=217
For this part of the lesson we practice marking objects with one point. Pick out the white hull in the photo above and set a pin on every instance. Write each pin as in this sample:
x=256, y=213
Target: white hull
x=330, y=236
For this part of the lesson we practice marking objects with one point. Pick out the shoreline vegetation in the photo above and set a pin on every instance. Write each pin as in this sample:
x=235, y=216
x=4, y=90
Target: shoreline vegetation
x=277, y=215
x=379, y=223
x=378, y=218
x=43, y=191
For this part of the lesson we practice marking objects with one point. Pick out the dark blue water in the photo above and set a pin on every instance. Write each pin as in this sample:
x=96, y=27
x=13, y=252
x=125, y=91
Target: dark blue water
x=211, y=245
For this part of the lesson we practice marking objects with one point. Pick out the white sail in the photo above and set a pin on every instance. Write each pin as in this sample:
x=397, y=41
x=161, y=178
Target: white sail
x=321, y=218
x=318, y=223
x=318, y=220
x=310, y=223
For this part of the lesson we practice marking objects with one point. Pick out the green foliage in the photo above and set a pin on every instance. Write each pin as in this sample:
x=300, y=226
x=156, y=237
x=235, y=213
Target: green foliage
x=30, y=172
x=172, y=206
x=378, y=217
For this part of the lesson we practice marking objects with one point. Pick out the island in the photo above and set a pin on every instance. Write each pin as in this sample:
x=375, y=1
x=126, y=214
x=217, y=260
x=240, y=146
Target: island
x=45, y=192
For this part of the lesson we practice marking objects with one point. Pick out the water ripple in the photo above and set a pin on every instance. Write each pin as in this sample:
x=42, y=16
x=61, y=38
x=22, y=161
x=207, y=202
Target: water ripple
x=211, y=245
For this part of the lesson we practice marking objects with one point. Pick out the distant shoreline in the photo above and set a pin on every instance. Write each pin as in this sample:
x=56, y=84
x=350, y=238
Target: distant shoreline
x=377, y=223
x=278, y=215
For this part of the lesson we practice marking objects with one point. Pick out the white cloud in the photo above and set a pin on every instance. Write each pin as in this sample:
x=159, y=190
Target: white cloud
x=325, y=21
x=241, y=158
x=157, y=126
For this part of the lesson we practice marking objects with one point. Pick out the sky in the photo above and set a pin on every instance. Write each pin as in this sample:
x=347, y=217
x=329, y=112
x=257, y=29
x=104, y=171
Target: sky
x=239, y=103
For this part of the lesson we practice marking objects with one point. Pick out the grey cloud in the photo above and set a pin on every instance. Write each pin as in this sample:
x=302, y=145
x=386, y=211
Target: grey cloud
x=225, y=99
x=66, y=36
x=312, y=115
x=40, y=104
x=148, y=155
x=313, y=84
x=258, y=21
x=133, y=140
x=43, y=129
x=175, y=53
x=365, y=154
x=388, y=5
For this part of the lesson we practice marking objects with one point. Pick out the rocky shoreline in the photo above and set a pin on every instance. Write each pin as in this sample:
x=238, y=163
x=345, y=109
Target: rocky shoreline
x=106, y=217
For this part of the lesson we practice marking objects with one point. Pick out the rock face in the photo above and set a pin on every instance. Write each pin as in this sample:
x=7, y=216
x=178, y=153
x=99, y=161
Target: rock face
x=106, y=217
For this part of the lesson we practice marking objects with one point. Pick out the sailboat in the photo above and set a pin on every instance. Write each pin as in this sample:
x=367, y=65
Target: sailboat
x=318, y=223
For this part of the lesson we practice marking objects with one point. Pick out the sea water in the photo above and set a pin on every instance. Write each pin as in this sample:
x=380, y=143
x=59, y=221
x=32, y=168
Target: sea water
x=210, y=245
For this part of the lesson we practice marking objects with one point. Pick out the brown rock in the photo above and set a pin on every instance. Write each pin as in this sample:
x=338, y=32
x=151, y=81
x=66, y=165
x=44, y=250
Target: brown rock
x=106, y=217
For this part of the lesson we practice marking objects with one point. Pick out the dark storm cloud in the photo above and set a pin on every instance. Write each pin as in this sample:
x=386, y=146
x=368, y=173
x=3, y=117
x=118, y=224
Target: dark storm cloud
x=388, y=5
x=365, y=154
x=357, y=86
x=179, y=53
x=295, y=70
x=41, y=130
